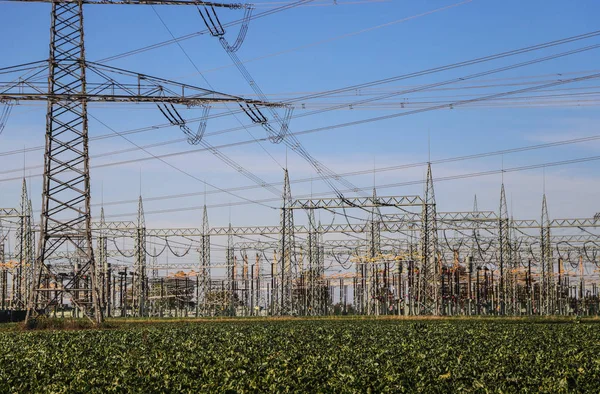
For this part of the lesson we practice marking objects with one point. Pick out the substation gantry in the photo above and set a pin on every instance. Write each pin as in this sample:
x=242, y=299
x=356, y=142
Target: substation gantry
x=402, y=258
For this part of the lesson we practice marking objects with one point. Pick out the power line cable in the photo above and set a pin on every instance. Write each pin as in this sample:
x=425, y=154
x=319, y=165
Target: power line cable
x=386, y=186
x=182, y=171
x=455, y=65
x=474, y=156
x=373, y=83
x=211, y=148
x=352, y=34
x=202, y=32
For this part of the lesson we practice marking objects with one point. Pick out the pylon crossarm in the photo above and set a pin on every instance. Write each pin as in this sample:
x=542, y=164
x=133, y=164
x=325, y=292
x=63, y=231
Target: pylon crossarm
x=9, y=213
x=111, y=84
x=139, y=2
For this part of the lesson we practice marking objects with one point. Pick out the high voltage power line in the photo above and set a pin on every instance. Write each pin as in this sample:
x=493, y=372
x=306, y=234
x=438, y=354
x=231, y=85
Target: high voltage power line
x=416, y=223
x=373, y=83
x=226, y=159
x=383, y=169
x=188, y=174
x=327, y=175
x=203, y=32
x=352, y=34
x=458, y=103
x=406, y=166
x=383, y=186
x=493, y=57
x=460, y=79
x=145, y=147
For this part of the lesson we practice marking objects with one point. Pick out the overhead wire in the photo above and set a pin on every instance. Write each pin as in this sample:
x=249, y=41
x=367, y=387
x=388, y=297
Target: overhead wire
x=211, y=148
x=5, y=110
x=449, y=105
x=456, y=104
x=389, y=185
x=352, y=34
x=217, y=30
x=202, y=32
x=459, y=79
x=183, y=171
x=246, y=18
x=355, y=87
x=454, y=65
x=496, y=95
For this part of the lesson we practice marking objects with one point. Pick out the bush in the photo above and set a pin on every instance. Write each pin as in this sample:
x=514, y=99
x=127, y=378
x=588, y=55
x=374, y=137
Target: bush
x=47, y=323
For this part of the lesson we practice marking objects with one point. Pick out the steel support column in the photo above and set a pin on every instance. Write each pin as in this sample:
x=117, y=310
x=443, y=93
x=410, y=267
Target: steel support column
x=428, y=283
x=65, y=218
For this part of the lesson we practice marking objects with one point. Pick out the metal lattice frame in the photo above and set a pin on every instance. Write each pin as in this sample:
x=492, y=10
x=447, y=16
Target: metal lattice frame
x=495, y=238
x=372, y=268
x=314, y=271
x=25, y=251
x=204, y=272
x=230, y=262
x=504, y=256
x=65, y=219
x=547, y=267
x=475, y=233
x=428, y=284
x=140, y=288
x=287, y=257
x=102, y=266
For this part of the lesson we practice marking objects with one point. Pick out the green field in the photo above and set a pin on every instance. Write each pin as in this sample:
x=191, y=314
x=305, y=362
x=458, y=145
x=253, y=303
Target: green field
x=346, y=355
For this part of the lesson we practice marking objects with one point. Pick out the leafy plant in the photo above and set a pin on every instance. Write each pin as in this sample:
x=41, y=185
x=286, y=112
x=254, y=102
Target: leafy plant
x=357, y=355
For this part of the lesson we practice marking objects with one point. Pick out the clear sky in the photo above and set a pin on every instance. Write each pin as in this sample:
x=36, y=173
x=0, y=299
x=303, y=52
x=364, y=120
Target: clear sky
x=319, y=47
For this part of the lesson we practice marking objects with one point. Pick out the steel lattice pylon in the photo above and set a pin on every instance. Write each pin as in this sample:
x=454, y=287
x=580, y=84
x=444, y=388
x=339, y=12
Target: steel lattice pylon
x=505, y=256
x=314, y=278
x=374, y=251
x=323, y=294
x=25, y=249
x=140, y=288
x=287, y=256
x=476, y=233
x=65, y=218
x=204, y=280
x=428, y=285
x=547, y=280
x=230, y=262
x=102, y=265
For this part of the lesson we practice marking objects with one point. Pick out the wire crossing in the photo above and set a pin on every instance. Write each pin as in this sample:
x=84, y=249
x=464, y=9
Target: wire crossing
x=5, y=110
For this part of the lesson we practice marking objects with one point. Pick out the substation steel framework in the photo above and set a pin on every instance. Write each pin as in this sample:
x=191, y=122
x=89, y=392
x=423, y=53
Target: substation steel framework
x=66, y=210
x=382, y=272
x=486, y=267
x=18, y=264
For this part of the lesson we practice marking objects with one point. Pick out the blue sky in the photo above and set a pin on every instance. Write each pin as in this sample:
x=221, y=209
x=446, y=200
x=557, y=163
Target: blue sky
x=466, y=31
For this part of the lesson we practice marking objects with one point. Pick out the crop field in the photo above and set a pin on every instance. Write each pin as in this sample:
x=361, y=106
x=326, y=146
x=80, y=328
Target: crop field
x=306, y=356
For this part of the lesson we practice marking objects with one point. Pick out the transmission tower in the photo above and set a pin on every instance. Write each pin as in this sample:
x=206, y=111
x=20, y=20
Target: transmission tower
x=102, y=266
x=140, y=291
x=66, y=206
x=374, y=252
x=475, y=234
x=313, y=264
x=230, y=262
x=546, y=282
x=428, y=291
x=25, y=249
x=287, y=256
x=504, y=252
x=204, y=281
